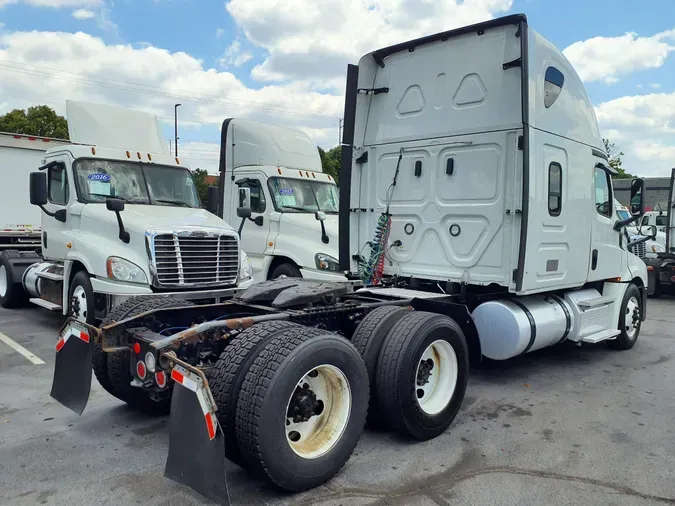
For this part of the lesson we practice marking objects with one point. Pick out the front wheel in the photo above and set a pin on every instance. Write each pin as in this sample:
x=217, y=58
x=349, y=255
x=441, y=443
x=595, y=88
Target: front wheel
x=285, y=271
x=81, y=299
x=630, y=319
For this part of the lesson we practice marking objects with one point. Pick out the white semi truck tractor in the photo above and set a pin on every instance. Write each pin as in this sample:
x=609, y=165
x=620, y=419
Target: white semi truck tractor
x=293, y=227
x=120, y=217
x=477, y=207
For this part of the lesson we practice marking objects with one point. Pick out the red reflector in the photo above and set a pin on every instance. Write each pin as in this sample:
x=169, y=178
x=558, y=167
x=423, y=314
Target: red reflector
x=210, y=425
x=84, y=336
x=177, y=377
x=137, y=348
x=160, y=378
x=140, y=369
x=673, y=279
x=59, y=344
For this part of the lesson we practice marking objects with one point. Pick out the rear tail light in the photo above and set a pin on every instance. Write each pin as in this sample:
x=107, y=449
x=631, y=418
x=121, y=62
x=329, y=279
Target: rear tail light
x=141, y=370
x=137, y=348
x=160, y=379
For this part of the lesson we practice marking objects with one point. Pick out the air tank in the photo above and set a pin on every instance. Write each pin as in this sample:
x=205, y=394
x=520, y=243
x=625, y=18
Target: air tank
x=508, y=328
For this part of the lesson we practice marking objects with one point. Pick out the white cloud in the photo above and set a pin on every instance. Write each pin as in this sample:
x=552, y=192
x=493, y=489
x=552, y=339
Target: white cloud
x=83, y=14
x=643, y=127
x=312, y=40
x=610, y=58
x=219, y=33
x=656, y=86
x=235, y=56
x=83, y=67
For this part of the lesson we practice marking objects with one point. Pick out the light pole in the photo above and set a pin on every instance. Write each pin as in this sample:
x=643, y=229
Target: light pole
x=175, y=120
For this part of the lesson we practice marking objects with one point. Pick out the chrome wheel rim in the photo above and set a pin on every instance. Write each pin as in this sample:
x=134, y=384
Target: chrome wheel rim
x=79, y=304
x=3, y=281
x=632, y=317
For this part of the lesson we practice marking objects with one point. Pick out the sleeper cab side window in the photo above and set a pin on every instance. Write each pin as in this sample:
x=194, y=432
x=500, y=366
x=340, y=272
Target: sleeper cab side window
x=603, y=195
x=554, y=189
x=553, y=85
x=57, y=185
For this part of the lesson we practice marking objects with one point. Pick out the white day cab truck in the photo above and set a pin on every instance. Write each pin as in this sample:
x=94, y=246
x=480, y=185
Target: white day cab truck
x=476, y=207
x=648, y=249
x=20, y=235
x=293, y=227
x=120, y=217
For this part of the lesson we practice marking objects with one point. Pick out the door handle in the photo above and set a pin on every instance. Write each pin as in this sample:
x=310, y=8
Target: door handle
x=594, y=259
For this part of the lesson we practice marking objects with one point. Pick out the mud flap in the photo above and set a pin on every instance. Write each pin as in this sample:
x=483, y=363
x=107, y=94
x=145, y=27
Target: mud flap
x=196, y=443
x=72, y=372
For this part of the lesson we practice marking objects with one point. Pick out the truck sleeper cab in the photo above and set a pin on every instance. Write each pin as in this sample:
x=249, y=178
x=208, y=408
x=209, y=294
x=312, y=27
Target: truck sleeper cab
x=463, y=191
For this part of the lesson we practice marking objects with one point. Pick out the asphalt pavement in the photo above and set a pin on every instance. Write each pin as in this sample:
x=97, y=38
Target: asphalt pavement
x=568, y=425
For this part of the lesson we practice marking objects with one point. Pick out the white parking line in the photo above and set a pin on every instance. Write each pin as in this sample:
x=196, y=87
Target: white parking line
x=13, y=344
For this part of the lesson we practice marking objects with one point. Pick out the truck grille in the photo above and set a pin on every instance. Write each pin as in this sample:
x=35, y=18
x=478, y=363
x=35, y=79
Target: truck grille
x=185, y=259
x=639, y=250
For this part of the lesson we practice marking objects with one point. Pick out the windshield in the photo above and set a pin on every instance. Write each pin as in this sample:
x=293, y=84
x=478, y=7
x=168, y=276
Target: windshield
x=303, y=196
x=135, y=183
x=622, y=214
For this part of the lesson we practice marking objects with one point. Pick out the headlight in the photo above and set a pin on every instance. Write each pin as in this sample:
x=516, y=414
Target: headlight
x=657, y=248
x=326, y=262
x=124, y=270
x=246, y=267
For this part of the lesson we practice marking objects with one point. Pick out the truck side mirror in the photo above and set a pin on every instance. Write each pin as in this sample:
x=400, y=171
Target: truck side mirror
x=117, y=206
x=321, y=217
x=212, y=198
x=243, y=212
x=637, y=197
x=244, y=199
x=114, y=205
x=38, y=188
x=648, y=230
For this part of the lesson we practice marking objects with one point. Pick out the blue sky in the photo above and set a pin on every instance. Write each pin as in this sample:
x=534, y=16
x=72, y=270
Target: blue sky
x=250, y=57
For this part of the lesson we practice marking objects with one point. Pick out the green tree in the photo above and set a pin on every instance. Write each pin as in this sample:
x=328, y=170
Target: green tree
x=330, y=161
x=199, y=176
x=40, y=120
x=615, y=160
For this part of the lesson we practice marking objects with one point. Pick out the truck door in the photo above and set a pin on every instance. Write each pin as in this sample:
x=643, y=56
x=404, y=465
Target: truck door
x=57, y=234
x=254, y=237
x=606, y=253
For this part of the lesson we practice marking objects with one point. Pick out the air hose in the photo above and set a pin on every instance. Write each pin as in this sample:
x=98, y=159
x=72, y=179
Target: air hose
x=371, y=271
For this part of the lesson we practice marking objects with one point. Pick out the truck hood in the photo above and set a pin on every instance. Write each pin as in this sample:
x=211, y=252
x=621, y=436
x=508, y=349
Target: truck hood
x=305, y=225
x=140, y=218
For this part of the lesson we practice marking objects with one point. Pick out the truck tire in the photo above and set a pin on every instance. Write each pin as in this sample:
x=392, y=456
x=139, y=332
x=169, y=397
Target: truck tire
x=321, y=377
x=367, y=339
x=422, y=373
x=229, y=372
x=285, y=270
x=112, y=369
x=81, y=299
x=12, y=294
x=629, y=319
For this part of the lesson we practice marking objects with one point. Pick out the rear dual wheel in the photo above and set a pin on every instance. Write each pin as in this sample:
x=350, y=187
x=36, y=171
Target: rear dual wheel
x=301, y=408
x=418, y=364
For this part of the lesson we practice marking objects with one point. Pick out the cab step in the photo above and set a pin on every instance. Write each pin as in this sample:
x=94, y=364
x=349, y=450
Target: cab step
x=603, y=335
x=50, y=306
x=596, y=302
x=50, y=276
